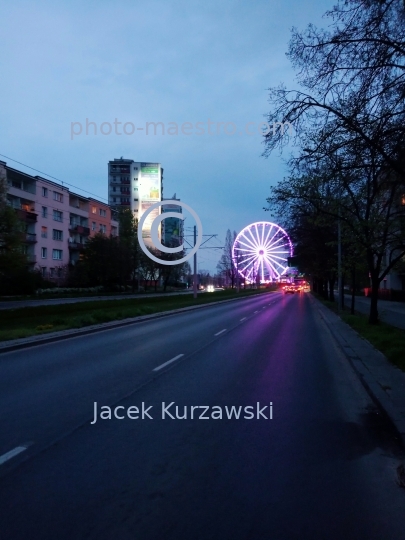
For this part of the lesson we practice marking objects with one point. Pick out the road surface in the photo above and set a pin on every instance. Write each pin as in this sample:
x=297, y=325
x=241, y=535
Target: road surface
x=323, y=468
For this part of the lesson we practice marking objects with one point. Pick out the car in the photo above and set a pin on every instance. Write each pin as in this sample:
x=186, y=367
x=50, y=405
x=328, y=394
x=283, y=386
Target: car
x=289, y=289
x=210, y=288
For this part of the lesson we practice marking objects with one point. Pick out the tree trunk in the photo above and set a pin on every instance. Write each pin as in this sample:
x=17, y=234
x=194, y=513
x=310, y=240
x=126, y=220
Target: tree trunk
x=353, y=290
x=331, y=291
x=342, y=290
x=373, y=317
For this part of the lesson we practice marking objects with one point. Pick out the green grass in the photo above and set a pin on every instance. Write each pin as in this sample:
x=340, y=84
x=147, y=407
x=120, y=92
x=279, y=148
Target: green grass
x=385, y=338
x=32, y=321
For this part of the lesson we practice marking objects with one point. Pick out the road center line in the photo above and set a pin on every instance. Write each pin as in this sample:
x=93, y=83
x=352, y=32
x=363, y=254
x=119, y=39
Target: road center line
x=168, y=362
x=8, y=455
x=255, y=311
x=244, y=318
x=217, y=334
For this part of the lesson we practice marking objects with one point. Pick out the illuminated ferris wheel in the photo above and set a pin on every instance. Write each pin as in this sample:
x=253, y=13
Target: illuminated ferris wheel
x=261, y=251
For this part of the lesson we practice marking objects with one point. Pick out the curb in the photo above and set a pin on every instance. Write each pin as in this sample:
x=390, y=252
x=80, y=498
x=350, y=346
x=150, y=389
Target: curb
x=32, y=341
x=368, y=380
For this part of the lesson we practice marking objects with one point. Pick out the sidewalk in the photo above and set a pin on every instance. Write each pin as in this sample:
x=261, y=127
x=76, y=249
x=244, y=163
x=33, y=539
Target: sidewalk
x=389, y=312
x=384, y=382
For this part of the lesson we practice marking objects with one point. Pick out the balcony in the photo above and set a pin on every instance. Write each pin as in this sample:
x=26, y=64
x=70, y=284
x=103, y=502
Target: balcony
x=28, y=187
x=123, y=170
x=76, y=246
x=26, y=215
x=29, y=238
x=32, y=259
x=79, y=229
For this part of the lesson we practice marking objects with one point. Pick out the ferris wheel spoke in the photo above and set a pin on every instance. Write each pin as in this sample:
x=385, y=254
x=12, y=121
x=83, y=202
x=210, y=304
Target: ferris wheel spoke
x=271, y=256
x=247, y=242
x=253, y=238
x=277, y=261
x=274, y=269
x=248, y=274
x=276, y=243
x=247, y=266
x=248, y=246
x=248, y=256
x=265, y=243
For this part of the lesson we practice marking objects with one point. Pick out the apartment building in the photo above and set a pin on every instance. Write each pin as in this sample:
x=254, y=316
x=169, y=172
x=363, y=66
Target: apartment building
x=136, y=185
x=56, y=221
x=172, y=228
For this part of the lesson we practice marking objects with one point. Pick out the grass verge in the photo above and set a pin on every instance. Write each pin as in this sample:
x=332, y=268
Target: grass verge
x=32, y=321
x=385, y=338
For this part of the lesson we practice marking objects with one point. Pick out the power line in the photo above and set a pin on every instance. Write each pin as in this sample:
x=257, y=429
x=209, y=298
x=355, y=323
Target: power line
x=54, y=178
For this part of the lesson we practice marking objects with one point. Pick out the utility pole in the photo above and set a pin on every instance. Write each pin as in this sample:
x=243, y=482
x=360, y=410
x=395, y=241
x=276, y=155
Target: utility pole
x=340, y=292
x=195, y=265
x=339, y=267
x=237, y=273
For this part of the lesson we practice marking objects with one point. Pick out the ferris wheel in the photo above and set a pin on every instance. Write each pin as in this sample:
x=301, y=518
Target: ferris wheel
x=261, y=251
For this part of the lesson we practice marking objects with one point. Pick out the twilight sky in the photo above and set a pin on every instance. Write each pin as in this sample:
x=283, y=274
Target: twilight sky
x=150, y=61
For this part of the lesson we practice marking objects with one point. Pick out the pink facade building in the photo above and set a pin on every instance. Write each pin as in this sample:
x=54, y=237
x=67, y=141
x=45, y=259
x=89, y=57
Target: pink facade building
x=57, y=222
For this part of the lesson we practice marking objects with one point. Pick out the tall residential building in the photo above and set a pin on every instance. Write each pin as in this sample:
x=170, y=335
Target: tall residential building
x=136, y=185
x=56, y=221
x=173, y=228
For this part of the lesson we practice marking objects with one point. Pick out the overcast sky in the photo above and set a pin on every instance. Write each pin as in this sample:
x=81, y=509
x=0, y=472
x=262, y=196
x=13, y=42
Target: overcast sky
x=150, y=61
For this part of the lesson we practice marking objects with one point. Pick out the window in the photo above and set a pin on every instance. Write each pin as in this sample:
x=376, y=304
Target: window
x=114, y=188
x=93, y=210
x=57, y=235
x=114, y=179
x=57, y=254
x=93, y=226
x=114, y=199
x=103, y=228
x=44, y=192
x=51, y=272
x=43, y=253
x=57, y=196
x=44, y=232
x=43, y=271
x=103, y=213
x=57, y=215
x=44, y=212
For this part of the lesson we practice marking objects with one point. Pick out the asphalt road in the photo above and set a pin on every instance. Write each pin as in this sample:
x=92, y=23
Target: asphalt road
x=322, y=468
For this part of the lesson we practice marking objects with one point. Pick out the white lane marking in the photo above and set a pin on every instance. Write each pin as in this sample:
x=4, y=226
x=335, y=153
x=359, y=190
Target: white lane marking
x=255, y=311
x=168, y=362
x=5, y=457
x=221, y=332
x=244, y=318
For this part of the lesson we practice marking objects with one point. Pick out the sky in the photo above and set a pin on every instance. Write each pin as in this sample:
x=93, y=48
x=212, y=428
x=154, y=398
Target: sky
x=134, y=62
